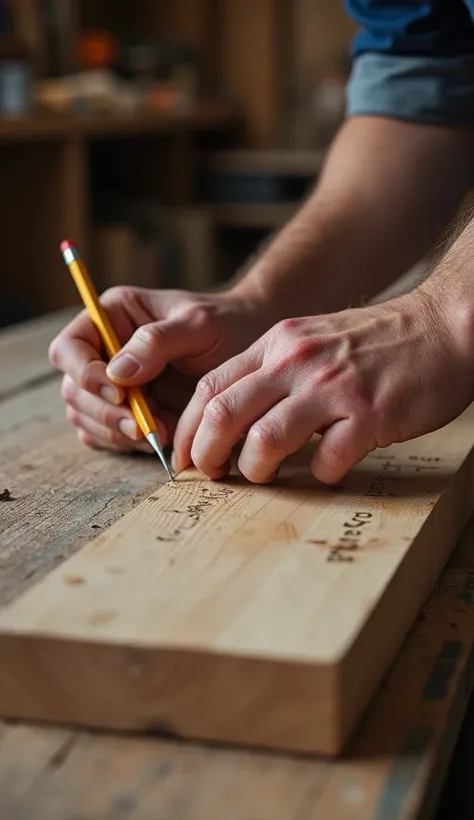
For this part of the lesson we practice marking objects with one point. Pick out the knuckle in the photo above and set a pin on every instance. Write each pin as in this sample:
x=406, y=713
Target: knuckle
x=68, y=390
x=296, y=353
x=149, y=335
x=218, y=411
x=54, y=352
x=303, y=350
x=106, y=415
x=73, y=416
x=85, y=438
x=207, y=387
x=286, y=326
x=199, y=315
x=86, y=380
x=336, y=455
x=266, y=436
x=111, y=437
x=118, y=295
x=325, y=375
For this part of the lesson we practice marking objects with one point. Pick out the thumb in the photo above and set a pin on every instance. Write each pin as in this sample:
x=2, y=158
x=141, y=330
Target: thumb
x=150, y=349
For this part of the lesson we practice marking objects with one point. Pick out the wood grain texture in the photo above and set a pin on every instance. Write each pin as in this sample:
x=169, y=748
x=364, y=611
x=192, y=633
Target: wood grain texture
x=62, y=493
x=24, y=351
x=393, y=770
x=256, y=615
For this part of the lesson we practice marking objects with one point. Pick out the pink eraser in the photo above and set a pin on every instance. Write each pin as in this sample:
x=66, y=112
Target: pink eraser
x=66, y=245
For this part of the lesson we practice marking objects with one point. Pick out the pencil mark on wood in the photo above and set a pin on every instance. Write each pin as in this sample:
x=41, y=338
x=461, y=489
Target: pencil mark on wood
x=191, y=515
x=74, y=580
x=378, y=487
x=349, y=541
x=102, y=617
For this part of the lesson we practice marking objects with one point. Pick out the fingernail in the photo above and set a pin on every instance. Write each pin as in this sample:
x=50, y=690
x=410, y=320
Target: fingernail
x=124, y=367
x=110, y=394
x=174, y=462
x=129, y=428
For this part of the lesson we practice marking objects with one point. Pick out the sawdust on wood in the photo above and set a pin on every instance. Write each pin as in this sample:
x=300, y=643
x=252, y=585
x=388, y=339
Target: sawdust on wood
x=5, y=495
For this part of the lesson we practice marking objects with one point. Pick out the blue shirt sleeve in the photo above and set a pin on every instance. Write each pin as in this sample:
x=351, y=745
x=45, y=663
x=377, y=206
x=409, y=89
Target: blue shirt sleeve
x=413, y=61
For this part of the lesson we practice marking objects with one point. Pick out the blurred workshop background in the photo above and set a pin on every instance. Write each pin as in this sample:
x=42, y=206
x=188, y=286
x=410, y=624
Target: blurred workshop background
x=168, y=138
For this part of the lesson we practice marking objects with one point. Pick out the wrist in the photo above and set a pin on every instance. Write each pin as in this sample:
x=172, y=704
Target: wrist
x=288, y=278
x=451, y=308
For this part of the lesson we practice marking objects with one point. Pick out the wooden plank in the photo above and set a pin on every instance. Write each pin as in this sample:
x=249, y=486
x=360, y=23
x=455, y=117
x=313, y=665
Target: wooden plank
x=24, y=350
x=383, y=776
x=46, y=776
x=62, y=493
x=263, y=615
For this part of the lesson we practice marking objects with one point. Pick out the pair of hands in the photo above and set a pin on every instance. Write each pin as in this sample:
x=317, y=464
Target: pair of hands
x=217, y=369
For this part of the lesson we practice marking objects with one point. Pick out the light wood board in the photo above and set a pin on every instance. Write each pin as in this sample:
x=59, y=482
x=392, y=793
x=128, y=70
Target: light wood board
x=24, y=350
x=253, y=615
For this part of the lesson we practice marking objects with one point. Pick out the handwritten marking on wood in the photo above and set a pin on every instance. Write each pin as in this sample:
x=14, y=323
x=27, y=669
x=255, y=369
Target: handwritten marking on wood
x=262, y=615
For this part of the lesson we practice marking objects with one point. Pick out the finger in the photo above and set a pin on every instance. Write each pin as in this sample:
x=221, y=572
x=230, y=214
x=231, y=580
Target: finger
x=118, y=419
x=77, y=352
x=207, y=388
x=108, y=437
x=227, y=416
x=341, y=447
x=151, y=348
x=286, y=428
x=102, y=411
x=154, y=345
x=97, y=444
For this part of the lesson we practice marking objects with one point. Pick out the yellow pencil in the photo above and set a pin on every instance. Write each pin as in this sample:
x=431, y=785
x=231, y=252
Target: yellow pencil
x=89, y=296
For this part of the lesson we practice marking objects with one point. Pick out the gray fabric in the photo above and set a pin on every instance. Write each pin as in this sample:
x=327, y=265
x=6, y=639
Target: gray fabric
x=434, y=90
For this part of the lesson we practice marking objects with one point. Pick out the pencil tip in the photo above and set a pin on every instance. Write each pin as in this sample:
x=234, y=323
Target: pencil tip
x=153, y=440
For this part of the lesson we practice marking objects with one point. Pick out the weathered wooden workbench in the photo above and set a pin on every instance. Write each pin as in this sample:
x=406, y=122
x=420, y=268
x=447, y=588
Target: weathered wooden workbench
x=62, y=494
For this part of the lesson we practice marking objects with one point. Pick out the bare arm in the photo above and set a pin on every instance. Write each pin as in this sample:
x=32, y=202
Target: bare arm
x=387, y=191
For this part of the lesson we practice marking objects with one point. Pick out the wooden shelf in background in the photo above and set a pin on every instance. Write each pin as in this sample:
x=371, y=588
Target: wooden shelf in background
x=209, y=115
x=281, y=162
x=254, y=215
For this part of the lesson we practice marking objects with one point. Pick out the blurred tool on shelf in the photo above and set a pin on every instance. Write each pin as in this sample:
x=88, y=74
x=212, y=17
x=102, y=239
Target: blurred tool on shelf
x=15, y=73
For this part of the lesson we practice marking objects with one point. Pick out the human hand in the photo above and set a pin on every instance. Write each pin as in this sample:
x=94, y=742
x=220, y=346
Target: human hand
x=170, y=339
x=362, y=378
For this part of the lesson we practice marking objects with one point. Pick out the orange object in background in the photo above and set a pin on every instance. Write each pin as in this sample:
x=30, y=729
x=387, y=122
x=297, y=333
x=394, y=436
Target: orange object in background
x=97, y=49
x=163, y=97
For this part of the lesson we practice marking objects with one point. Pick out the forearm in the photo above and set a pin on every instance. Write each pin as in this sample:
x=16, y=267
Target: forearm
x=449, y=290
x=387, y=191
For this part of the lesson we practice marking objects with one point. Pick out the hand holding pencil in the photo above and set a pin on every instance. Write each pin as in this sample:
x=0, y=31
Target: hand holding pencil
x=98, y=315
